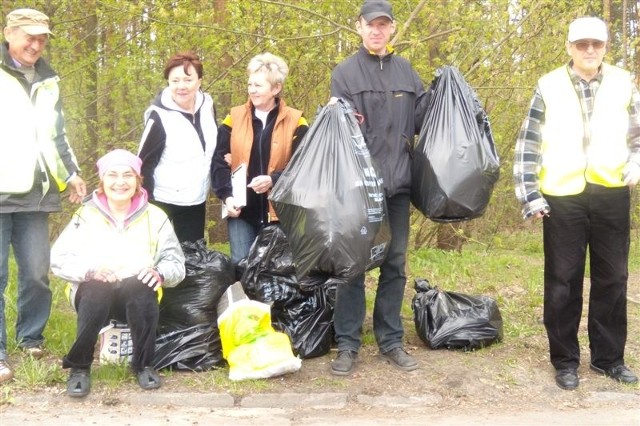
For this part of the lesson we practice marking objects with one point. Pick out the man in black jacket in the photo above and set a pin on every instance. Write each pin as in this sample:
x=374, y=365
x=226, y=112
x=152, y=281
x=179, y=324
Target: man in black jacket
x=387, y=92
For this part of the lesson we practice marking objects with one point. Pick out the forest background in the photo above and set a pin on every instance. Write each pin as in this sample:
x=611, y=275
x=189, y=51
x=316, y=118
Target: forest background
x=110, y=55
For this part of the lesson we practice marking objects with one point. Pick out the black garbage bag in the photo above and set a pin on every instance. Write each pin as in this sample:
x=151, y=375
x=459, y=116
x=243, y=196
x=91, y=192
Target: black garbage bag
x=455, y=321
x=195, y=348
x=268, y=273
x=330, y=200
x=188, y=329
x=194, y=300
x=455, y=164
x=303, y=309
x=309, y=322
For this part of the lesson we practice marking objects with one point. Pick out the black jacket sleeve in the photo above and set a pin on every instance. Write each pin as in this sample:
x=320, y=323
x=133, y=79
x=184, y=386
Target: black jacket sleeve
x=220, y=170
x=154, y=140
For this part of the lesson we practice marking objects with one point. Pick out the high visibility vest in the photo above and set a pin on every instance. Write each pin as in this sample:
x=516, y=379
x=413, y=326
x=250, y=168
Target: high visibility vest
x=567, y=165
x=30, y=125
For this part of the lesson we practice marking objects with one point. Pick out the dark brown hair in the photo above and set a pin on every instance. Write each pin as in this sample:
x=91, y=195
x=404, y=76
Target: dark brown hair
x=185, y=59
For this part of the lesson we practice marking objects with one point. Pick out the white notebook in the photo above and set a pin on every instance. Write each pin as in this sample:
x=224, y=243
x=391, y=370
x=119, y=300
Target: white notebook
x=239, y=185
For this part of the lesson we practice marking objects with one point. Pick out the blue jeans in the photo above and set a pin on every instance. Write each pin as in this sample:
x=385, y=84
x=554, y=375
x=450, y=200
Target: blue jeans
x=350, y=308
x=242, y=234
x=28, y=233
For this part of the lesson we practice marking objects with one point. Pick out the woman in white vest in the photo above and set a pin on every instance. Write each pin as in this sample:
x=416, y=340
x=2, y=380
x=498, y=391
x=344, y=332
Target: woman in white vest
x=177, y=147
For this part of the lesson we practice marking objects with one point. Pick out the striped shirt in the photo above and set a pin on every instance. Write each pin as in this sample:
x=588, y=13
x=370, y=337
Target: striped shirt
x=528, y=156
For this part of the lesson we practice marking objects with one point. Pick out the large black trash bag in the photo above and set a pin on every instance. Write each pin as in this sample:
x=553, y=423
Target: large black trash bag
x=188, y=336
x=194, y=300
x=268, y=273
x=330, y=200
x=301, y=309
x=455, y=321
x=195, y=348
x=309, y=322
x=455, y=164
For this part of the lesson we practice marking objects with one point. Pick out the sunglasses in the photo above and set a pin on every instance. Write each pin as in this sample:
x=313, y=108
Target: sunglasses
x=584, y=45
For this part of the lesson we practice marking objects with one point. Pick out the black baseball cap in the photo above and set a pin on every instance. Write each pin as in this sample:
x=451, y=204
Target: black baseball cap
x=373, y=9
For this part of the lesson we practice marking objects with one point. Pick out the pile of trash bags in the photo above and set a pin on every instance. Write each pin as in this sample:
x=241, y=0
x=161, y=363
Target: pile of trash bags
x=188, y=337
x=303, y=309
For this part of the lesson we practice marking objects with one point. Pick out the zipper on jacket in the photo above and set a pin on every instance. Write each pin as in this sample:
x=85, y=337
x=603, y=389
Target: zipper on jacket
x=261, y=168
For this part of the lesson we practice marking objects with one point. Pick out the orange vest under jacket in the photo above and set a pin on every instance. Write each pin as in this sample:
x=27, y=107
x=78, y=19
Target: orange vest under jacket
x=286, y=124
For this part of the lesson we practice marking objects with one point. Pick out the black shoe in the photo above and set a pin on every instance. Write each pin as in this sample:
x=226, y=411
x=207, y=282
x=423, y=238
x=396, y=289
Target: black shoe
x=399, y=358
x=148, y=379
x=620, y=373
x=79, y=383
x=344, y=363
x=567, y=378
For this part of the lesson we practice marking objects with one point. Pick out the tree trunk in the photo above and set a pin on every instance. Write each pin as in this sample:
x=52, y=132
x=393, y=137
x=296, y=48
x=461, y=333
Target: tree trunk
x=449, y=237
x=216, y=227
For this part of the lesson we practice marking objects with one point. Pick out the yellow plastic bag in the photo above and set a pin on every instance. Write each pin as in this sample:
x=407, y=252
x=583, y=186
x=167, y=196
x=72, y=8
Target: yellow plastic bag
x=252, y=348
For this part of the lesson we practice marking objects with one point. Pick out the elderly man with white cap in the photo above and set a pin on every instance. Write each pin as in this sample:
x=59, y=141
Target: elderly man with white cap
x=36, y=164
x=576, y=158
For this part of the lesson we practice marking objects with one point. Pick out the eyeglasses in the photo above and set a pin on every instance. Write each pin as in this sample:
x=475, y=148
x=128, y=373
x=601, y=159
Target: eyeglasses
x=584, y=45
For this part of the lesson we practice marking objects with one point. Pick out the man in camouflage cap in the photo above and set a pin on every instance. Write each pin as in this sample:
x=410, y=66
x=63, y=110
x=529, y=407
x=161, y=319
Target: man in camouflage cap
x=36, y=164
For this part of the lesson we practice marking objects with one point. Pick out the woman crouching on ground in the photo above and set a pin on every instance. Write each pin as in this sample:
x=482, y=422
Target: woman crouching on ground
x=117, y=251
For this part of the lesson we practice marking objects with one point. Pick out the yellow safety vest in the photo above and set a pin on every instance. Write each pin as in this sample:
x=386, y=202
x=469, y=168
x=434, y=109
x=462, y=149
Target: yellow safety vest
x=566, y=164
x=30, y=126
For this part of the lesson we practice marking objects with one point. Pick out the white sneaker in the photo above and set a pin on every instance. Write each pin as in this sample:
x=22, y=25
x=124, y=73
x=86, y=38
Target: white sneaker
x=35, y=351
x=5, y=372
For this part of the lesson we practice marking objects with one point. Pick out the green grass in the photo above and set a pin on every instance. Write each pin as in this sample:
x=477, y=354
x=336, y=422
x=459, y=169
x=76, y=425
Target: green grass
x=510, y=269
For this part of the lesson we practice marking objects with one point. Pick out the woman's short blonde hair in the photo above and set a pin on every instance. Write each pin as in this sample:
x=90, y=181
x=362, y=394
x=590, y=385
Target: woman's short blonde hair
x=274, y=67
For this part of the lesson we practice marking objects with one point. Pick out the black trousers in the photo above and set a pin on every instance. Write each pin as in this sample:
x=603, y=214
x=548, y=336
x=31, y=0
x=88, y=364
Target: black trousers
x=129, y=301
x=598, y=219
x=188, y=221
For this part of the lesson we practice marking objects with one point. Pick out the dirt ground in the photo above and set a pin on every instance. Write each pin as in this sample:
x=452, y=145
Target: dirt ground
x=487, y=387
x=506, y=379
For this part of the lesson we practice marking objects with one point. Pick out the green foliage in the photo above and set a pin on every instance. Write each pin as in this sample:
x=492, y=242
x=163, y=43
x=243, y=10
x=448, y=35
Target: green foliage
x=34, y=373
x=111, y=53
x=112, y=375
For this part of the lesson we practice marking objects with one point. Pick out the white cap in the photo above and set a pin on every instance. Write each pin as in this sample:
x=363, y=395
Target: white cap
x=587, y=28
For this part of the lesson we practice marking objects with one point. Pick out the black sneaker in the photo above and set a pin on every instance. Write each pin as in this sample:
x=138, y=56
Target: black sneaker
x=620, y=373
x=78, y=383
x=400, y=359
x=148, y=379
x=344, y=363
